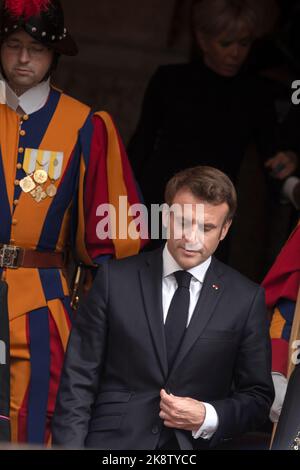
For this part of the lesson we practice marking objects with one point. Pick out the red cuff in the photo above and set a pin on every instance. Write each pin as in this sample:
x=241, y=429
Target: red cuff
x=280, y=354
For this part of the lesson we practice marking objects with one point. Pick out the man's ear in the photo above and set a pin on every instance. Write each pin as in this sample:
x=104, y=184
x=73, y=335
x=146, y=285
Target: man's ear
x=225, y=229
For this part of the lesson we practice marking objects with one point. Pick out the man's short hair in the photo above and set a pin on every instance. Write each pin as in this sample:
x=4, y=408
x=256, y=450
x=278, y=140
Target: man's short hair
x=206, y=183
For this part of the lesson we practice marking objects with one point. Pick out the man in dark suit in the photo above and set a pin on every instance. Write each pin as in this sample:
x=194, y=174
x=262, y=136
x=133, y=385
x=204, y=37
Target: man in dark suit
x=171, y=348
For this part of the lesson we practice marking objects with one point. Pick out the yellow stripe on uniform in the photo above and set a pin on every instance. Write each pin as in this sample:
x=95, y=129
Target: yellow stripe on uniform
x=277, y=325
x=58, y=313
x=55, y=165
x=117, y=187
x=19, y=371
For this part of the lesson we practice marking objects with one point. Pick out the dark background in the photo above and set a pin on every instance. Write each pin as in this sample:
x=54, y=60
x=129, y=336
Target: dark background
x=121, y=43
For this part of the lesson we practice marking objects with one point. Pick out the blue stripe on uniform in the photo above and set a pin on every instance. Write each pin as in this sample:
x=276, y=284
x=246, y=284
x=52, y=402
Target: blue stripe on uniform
x=287, y=310
x=65, y=192
x=51, y=282
x=40, y=374
x=5, y=224
x=35, y=127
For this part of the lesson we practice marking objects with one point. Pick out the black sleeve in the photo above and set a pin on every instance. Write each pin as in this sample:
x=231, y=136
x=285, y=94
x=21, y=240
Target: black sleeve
x=290, y=132
x=82, y=367
x=265, y=124
x=142, y=144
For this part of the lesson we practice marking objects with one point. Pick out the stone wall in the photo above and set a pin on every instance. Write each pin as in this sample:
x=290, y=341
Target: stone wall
x=121, y=44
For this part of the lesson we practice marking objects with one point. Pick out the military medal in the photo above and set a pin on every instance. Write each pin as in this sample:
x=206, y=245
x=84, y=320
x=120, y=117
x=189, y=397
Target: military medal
x=27, y=184
x=55, y=165
x=38, y=194
x=43, y=196
x=51, y=190
x=39, y=166
x=40, y=176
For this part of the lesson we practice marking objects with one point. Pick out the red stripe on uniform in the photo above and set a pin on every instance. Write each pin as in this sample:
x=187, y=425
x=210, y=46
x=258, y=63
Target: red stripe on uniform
x=23, y=412
x=131, y=185
x=56, y=363
x=280, y=353
x=96, y=190
x=283, y=279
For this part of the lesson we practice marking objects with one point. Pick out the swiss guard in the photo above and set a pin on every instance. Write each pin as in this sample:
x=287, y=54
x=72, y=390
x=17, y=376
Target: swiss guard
x=59, y=162
x=282, y=287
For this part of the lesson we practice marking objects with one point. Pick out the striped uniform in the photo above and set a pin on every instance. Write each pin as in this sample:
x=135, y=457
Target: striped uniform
x=95, y=170
x=282, y=285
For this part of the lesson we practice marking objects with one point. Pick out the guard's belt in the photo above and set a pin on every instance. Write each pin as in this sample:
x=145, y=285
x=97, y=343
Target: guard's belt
x=16, y=257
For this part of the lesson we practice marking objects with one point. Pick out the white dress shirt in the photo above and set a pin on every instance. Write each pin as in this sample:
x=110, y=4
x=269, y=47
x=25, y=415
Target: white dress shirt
x=30, y=101
x=169, y=286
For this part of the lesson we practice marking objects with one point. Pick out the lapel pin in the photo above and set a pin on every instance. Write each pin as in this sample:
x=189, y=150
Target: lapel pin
x=215, y=287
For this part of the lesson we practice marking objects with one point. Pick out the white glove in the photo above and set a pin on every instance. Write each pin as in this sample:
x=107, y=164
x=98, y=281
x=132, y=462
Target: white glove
x=280, y=384
x=287, y=190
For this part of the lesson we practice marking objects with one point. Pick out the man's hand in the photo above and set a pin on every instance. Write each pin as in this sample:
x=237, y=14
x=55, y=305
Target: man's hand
x=283, y=164
x=181, y=412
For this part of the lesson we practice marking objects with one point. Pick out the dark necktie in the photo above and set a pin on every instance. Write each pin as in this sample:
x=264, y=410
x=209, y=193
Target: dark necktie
x=177, y=316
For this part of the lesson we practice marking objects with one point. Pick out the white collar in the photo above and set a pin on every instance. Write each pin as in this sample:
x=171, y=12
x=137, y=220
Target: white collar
x=31, y=101
x=170, y=266
x=2, y=91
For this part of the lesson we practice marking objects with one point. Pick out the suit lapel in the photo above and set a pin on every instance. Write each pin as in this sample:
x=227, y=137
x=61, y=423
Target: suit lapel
x=151, y=287
x=210, y=294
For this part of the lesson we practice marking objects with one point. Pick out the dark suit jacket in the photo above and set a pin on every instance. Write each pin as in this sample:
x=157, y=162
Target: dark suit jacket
x=116, y=363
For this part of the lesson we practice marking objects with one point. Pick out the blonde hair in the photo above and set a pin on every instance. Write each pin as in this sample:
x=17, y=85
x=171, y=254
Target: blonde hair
x=212, y=17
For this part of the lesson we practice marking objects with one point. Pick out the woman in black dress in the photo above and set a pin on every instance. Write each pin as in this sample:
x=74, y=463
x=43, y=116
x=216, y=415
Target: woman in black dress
x=210, y=110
